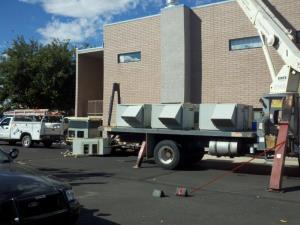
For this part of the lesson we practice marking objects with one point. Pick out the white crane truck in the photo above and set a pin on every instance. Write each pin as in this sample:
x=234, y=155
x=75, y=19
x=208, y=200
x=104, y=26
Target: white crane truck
x=176, y=134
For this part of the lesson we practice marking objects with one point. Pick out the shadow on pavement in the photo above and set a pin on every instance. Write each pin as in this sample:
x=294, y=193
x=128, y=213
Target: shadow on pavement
x=123, y=153
x=291, y=189
x=71, y=176
x=256, y=169
x=85, y=183
x=55, y=145
x=91, y=217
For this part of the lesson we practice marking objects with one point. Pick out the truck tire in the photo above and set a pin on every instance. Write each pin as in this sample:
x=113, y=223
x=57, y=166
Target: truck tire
x=26, y=141
x=167, y=154
x=47, y=143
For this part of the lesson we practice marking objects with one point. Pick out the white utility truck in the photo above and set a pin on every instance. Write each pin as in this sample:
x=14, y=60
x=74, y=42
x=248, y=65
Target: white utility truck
x=178, y=133
x=30, y=126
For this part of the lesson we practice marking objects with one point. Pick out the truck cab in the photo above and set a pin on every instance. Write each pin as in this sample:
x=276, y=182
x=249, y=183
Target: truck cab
x=5, y=126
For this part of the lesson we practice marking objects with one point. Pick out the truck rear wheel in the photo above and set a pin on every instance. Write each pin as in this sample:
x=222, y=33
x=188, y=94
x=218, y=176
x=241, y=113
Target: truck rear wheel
x=167, y=154
x=26, y=141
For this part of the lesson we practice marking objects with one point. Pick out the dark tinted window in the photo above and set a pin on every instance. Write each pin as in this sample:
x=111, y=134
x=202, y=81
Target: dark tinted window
x=80, y=134
x=23, y=118
x=5, y=122
x=52, y=119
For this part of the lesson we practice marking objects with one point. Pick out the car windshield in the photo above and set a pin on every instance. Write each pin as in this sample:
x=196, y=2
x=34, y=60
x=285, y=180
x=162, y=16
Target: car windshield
x=3, y=157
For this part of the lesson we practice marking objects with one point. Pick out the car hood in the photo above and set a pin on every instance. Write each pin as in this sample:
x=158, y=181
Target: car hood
x=18, y=181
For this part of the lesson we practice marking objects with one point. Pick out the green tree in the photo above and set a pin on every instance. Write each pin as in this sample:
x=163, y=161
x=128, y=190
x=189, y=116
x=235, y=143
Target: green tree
x=39, y=76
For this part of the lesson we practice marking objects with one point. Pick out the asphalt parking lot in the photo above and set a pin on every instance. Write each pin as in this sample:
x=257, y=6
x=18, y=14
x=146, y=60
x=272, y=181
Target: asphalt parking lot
x=113, y=193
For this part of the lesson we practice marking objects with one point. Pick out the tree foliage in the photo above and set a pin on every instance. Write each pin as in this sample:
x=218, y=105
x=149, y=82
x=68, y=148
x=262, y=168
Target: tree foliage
x=38, y=76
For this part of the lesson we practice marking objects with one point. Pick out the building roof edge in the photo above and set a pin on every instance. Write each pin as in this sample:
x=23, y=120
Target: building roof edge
x=90, y=50
x=212, y=4
x=130, y=20
x=154, y=15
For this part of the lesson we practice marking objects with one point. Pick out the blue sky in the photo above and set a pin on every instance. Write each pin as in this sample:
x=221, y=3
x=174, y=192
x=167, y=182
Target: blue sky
x=79, y=21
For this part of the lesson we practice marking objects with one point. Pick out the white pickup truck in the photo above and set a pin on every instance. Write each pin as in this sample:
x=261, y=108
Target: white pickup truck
x=31, y=129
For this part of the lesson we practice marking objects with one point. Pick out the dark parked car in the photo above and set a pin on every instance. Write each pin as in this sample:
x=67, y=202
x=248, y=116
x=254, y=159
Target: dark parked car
x=30, y=198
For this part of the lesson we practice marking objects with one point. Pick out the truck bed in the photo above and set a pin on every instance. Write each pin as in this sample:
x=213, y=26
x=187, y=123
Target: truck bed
x=204, y=133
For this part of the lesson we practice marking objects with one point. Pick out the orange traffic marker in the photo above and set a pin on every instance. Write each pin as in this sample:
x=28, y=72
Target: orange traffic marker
x=182, y=192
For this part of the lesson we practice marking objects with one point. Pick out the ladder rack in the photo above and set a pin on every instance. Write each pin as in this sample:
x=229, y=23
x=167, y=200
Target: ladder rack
x=31, y=112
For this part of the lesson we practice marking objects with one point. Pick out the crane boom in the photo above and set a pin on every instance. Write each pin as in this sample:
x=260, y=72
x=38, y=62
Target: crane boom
x=284, y=87
x=273, y=33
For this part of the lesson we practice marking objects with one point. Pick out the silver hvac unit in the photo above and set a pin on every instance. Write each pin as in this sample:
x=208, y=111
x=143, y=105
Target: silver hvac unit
x=83, y=127
x=173, y=116
x=225, y=117
x=134, y=115
x=92, y=146
x=205, y=113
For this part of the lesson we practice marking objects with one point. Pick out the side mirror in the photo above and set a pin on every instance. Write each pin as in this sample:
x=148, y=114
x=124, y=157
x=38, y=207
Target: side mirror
x=14, y=153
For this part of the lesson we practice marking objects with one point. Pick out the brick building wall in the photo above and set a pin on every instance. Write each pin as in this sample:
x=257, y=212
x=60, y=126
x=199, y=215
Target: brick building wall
x=140, y=81
x=236, y=76
x=217, y=74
